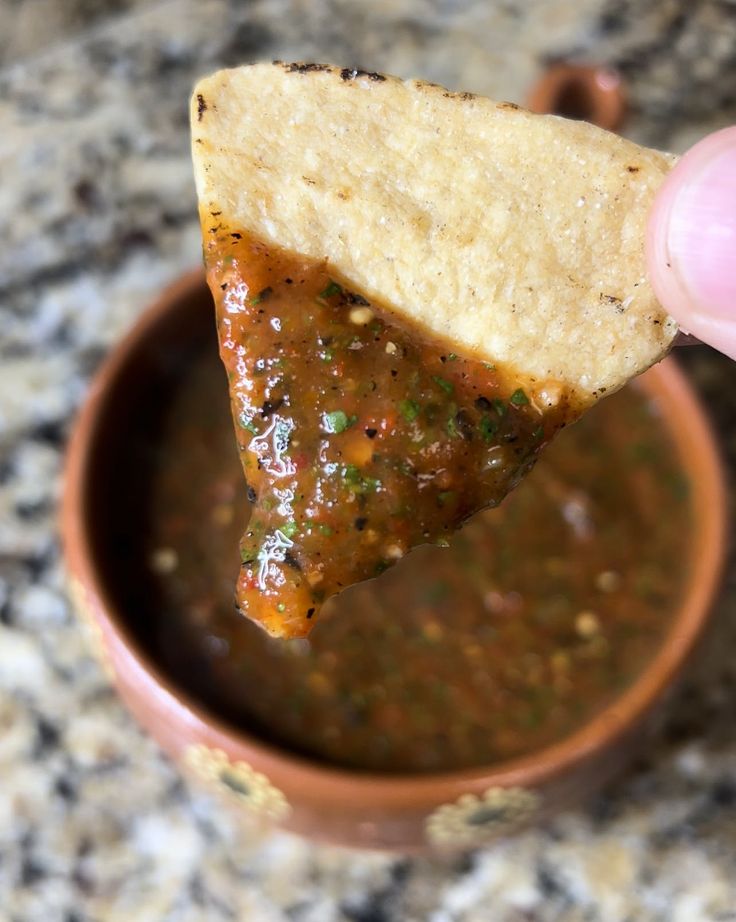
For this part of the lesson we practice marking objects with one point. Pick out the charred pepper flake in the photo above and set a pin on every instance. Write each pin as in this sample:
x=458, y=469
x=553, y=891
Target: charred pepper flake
x=292, y=562
x=519, y=398
x=269, y=407
x=360, y=522
x=482, y=403
x=350, y=73
x=464, y=424
x=354, y=298
x=252, y=495
x=262, y=295
x=371, y=433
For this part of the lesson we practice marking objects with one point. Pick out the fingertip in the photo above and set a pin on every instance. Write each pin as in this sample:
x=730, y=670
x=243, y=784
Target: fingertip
x=691, y=241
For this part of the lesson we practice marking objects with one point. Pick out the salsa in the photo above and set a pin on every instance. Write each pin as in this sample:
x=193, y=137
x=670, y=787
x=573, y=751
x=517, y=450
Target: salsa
x=360, y=436
x=536, y=615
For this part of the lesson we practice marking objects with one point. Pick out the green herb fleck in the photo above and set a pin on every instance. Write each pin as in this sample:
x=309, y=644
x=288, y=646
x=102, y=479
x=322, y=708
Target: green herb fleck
x=321, y=528
x=519, y=398
x=447, y=386
x=289, y=529
x=447, y=496
x=281, y=606
x=643, y=453
x=247, y=555
x=488, y=366
x=248, y=424
x=332, y=289
x=679, y=485
x=351, y=474
x=354, y=479
x=436, y=592
x=409, y=410
x=538, y=433
x=488, y=427
x=282, y=435
x=452, y=356
x=499, y=406
x=337, y=421
x=452, y=428
x=327, y=355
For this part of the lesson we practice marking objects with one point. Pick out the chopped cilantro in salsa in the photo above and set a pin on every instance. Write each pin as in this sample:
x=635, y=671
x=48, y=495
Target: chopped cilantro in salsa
x=529, y=624
x=348, y=414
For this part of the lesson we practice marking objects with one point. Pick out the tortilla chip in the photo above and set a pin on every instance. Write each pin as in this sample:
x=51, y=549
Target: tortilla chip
x=520, y=237
x=497, y=254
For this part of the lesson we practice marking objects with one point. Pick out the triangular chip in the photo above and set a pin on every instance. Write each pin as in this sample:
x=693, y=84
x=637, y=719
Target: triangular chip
x=415, y=290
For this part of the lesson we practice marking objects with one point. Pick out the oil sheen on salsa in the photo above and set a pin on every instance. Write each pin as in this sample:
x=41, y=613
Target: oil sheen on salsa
x=359, y=435
x=537, y=614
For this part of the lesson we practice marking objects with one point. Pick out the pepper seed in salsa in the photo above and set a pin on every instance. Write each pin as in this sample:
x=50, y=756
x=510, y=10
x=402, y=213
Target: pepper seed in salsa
x=360, y=436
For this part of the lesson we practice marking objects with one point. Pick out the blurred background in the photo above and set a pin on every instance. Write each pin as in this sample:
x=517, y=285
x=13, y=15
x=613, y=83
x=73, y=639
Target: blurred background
x=98, y=213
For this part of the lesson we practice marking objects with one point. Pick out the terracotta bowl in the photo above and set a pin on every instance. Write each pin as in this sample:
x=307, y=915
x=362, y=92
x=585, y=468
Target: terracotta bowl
x=595, y=94
x=459, y=808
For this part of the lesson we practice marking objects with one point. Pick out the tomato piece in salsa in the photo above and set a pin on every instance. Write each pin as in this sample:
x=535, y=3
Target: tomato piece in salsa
x=360, y=435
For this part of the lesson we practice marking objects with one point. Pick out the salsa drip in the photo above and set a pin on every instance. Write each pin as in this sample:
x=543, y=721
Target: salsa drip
x=360, y=435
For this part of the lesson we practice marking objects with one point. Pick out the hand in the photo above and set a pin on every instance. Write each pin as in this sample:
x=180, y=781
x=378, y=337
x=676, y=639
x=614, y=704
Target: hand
x=691, y=242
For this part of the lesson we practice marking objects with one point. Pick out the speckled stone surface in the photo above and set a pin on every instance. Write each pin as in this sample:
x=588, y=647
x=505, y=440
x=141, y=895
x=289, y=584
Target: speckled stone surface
x=97, y=213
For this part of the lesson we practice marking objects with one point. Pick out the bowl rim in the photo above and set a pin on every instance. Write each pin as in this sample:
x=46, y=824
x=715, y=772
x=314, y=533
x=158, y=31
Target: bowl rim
x=696, y=444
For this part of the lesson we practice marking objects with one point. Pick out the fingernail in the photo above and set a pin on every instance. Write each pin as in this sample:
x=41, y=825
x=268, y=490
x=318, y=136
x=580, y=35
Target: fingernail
x=700, y=233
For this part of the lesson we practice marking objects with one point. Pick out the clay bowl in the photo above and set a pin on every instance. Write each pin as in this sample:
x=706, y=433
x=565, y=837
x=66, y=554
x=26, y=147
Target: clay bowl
x=461, y=808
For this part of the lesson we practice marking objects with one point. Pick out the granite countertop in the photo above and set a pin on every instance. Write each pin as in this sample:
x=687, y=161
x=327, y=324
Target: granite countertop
x=98, y=213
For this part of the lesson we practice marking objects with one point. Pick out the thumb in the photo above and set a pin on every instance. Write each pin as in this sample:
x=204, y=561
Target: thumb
x=691, y=242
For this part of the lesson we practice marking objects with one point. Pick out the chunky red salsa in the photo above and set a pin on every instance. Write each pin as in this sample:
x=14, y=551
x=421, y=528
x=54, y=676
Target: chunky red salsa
x=534, y=618
x=360, y=436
